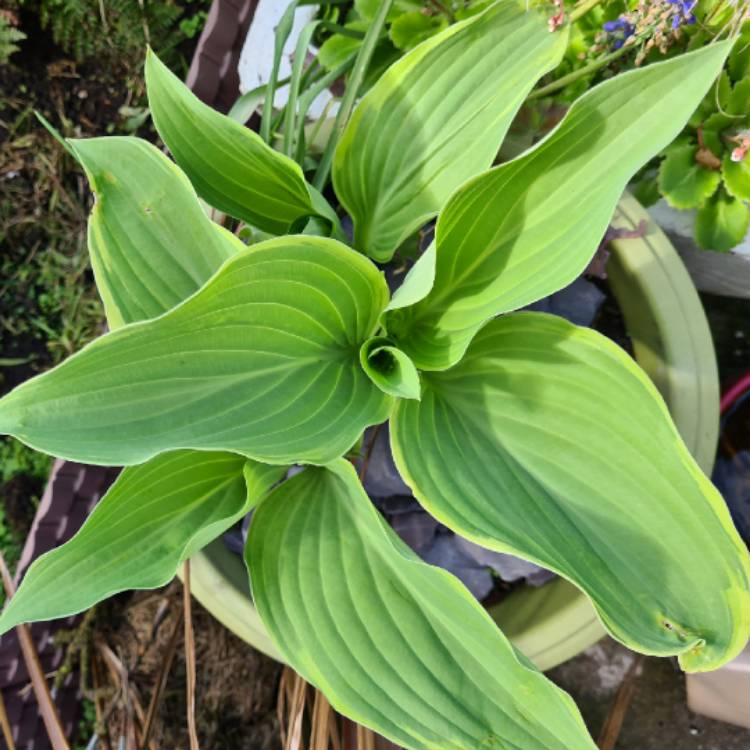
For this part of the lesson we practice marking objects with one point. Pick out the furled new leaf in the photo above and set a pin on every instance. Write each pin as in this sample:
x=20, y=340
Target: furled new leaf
x=263, y=360
x=150, y=242
x=436, y=118
x=229, y=165
x=389, y=368
x=547, y=441
x=529, y=227
x=396, y=644
x=153, y=517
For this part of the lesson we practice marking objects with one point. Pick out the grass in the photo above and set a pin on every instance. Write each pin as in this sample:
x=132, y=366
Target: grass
x=17, y=462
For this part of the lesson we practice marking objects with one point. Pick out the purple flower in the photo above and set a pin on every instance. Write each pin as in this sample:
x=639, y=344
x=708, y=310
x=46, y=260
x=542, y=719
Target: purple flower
x=621, y=24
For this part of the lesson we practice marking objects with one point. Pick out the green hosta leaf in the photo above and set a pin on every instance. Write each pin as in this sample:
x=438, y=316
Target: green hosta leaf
x=412, y=28
x=529, y=227
x=153, y=517
x=736, y=177
x=418, y=281
x=389, y=368
x=263, y=360
x=547, y=441
x=683, y=181
x=151, y=244
x=436, y=118
x=395, y=644
x=722, y=223
x=229, y=165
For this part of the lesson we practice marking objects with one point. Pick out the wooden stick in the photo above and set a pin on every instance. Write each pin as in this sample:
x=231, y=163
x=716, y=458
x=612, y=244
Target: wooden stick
x=161, y=680
x=99, y=706
x=613, y=723
x=189, y=656
x=365, y=738
x=51, y=719
x=296, y=713
x=7, y=731
x=282, y=702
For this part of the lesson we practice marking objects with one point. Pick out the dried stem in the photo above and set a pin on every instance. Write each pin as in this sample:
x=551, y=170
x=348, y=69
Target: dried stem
x=161, y=680
x=99, y=707
x=189, y=656
x=613, y=723
x=51, y=719
x=368, y=454
x=7, y=731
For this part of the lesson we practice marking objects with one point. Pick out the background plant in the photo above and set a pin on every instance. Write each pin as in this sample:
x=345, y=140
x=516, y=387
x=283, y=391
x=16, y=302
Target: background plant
x=226, y=364
x=10, y=35
x=705, y=167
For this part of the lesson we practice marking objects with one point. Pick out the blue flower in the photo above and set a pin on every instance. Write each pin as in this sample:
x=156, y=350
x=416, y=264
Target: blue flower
x=621, y=24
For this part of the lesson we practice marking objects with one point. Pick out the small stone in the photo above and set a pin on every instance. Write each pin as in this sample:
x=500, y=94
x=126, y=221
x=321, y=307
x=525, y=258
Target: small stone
x=382, y=478
x=578, y=302
x=417, y=529
x=509, y=567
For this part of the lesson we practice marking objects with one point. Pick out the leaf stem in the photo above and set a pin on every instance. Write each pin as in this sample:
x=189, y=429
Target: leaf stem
x=187, y=612
x=294, y=87
x=350, y=95
x=342, y=30
x=281, y=34
x=561, y=83
x=306, y=100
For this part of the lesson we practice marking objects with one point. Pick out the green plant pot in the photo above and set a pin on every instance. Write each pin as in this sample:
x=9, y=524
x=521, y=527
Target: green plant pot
x=672, y=342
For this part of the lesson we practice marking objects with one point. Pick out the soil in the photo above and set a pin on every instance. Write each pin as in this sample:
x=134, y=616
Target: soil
x=236, y=686
x=657, y=717
x=19, y=512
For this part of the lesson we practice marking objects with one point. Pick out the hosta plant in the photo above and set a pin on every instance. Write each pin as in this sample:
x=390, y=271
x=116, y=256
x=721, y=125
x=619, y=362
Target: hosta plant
x=225, y=364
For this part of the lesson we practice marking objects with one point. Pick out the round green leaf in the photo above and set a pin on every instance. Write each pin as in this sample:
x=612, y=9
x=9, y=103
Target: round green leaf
x=739, y=101
x=713, y=132
x=683, y=181
x=410, y=29
x=722, y=223
x=736, y=177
